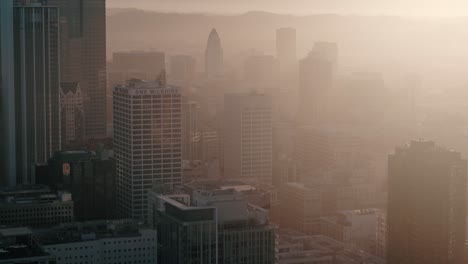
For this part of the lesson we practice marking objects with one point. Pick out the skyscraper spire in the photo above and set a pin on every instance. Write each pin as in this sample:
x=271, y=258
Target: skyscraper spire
x=214, y=55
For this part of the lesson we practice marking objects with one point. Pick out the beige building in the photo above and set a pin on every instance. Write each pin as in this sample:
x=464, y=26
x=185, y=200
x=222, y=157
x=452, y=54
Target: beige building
x=248, y=137
x=147, y=141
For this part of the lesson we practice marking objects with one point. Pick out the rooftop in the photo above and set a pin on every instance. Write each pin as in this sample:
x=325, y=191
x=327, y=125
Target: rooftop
x=227, y=186
x=92, y=230
x=17, y=243
x=31, y=194
x=145, y=84
x=17, y=231
x=319, y=246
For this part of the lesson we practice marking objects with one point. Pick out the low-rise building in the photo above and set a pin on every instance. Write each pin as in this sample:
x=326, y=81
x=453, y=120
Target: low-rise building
x=100, y=242
x=297, y=248
x=35, y=206
x=356, y=228
x=18, y=246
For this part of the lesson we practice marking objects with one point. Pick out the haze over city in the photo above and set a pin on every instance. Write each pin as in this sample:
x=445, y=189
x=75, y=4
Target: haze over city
x=304, y=7
x=236, y=132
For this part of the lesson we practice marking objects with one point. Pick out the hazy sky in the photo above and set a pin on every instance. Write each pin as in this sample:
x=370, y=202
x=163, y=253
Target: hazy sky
x=395, y=7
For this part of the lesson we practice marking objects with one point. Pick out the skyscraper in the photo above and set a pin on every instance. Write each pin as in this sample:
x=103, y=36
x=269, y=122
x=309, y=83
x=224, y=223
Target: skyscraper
x=259, y=69
x=286, y=47
x=426, y=205
x=83, y=57
x=72, y=116
x=186, y=234
x=7, y=93
x=248, y=137
x=213, y=55
x=316, y=74
x=147, y=141
x=36, y=84
x=191, y=134
x=182, y=68
x=327, y=50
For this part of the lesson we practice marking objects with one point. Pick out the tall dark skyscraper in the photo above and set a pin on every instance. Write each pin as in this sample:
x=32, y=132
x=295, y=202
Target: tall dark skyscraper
x=426, y=205
x=7, y=92
x=83, y=57
x=30, y=82
x=214, y=55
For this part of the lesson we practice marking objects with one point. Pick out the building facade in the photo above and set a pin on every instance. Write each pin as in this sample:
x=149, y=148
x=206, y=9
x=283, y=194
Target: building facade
x=182, y=69
x=83, y=57
x=19, y=246
x=215, y=226
x=7, y=92
x=100, y=242
x=71, y=114
x=302, y=206
x=91, y=180
x=187, y=234
x=191, y=134
x=35, y=206
x=316, y=76
x=37, y=85
x=214, y=65
x=147, y=142
x=426, y=215
x=248, y=137
x=286, y=47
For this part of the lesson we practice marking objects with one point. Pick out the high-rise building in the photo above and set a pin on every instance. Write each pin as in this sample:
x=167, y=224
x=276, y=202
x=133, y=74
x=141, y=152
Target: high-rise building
x=147, y=141
x=186, y=234
x=328, y=51
x=248, y=137
x=7, y=92
x=91, y=180
x=316, y=76
x=426, y=205
x=72, y=114
x=126, y=65
x=315, y=80
x=214, y=56
x=286, y=47
x=83, y=57
x=302, y=205
x=228, y=228
x=36, y=85
x=319, y=149
x=238, y=223
x=191, y=134
x=259, y=69
x=182, y=68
